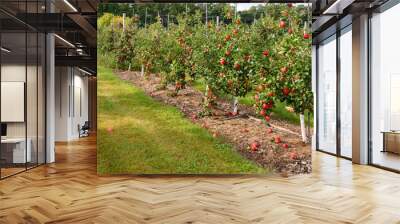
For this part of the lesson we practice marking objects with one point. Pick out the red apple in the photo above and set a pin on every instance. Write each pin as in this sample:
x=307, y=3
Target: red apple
x=271, y=94
x=290, y=31
x=256, y=98
x=286, y=146
x=236, y=66
x=282, y=24
x=277, y=139
x=293, y=155
x=227, y=37
x=266, y=53
x=263, y=113
x=254, y=146
x=267, y=118
x=285, y=91
x=269, y=130
x=265, y=106
x=222, y=61
x=306, y=36
x=235, y=31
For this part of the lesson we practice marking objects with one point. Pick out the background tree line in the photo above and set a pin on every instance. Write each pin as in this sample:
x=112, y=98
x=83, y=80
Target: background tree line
x=174, y=10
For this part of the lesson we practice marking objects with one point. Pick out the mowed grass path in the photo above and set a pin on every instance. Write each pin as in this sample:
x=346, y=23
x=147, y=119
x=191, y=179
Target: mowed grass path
x=149, y=137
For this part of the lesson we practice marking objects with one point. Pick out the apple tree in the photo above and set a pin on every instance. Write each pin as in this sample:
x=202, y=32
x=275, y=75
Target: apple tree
x=180, y=54
x=206, y=57
x=288, y=68
x=149, y=40
x=236, y=64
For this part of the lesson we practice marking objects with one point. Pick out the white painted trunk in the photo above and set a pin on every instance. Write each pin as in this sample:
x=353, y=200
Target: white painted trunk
x=129, y=69
x=303, y=128
x=123, y=22
x=235, y=105
x=142, y=72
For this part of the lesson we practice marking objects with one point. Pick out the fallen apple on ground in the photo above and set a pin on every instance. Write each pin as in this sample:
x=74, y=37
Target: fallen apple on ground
x=254, y=146
x=277, y=139
x=293, y=155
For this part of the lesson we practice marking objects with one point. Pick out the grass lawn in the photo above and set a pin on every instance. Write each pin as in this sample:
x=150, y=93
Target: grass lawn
x=149, y=137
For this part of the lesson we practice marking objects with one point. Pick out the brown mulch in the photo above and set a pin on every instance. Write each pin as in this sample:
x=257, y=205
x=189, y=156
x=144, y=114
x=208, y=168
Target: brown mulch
x=241, y=130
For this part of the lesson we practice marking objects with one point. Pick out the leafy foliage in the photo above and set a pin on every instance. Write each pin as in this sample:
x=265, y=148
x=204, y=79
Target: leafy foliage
x=270, y=56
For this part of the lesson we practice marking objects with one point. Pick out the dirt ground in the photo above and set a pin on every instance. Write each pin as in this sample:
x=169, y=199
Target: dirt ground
x=240, y=131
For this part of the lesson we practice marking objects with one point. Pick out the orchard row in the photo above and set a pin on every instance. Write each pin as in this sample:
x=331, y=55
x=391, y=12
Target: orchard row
x=270, y=58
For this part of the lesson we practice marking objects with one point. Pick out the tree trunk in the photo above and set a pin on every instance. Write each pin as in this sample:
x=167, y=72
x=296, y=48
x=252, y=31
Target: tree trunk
x=142, y=72
x=206, y=92
x=207, y=97
x=303, y=129
x=235, y=105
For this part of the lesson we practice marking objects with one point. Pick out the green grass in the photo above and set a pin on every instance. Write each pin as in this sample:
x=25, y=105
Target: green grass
x=279, y=110
x=199, y=85
x=149, y=137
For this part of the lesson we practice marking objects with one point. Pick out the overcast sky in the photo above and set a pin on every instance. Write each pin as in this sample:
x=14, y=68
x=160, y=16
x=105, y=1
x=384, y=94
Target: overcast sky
x=245, y=6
